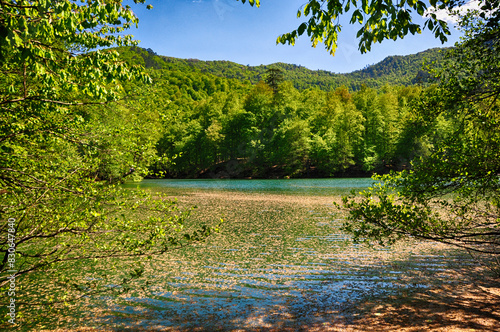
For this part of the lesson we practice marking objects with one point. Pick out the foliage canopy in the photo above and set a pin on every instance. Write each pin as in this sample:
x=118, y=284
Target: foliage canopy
x=379, y=20
x=451, y=195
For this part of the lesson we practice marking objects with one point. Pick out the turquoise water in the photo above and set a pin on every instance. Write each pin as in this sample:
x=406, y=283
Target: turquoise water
x=320, y=187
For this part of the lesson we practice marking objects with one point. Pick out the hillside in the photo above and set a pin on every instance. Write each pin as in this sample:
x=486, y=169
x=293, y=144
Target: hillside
x=399, y=70
x=393, y=70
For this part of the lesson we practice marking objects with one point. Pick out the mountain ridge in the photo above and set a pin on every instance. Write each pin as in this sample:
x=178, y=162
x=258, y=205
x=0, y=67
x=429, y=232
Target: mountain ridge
x=393, y=70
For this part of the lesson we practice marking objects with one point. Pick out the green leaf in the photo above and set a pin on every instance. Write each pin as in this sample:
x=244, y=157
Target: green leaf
x=301, y=28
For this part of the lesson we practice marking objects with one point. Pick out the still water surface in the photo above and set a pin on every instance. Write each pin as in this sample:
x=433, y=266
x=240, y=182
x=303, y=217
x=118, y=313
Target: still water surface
x=280, y=260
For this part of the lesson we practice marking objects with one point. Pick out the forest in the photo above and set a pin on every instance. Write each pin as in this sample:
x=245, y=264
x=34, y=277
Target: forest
x=222, y=120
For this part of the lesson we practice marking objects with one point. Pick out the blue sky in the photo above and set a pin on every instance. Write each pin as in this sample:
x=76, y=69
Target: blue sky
x=230, y=30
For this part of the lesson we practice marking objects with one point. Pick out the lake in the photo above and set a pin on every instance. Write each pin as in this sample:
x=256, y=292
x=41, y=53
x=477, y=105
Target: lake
x=280, y=262
x=276, y=186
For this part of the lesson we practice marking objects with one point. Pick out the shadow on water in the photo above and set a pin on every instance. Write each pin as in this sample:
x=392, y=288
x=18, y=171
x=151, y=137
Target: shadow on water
x=281, y=263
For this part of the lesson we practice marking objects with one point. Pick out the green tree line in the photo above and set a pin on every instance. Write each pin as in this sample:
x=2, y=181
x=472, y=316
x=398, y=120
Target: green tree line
x=218, y=127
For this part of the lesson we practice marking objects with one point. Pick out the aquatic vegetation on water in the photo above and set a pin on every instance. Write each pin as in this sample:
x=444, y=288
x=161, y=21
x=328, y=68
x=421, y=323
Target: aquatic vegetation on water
x=279, y=260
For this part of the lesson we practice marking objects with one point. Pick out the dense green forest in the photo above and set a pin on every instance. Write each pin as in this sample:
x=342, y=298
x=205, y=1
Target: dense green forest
x=219, y=119
x=394, y=70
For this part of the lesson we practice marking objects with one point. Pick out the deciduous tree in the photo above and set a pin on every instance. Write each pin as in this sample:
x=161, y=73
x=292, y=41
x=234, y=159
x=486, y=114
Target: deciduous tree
x=452, y=195
x=55, y=86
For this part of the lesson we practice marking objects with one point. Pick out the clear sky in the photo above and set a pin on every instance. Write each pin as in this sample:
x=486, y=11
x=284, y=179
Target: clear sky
x=230, y=30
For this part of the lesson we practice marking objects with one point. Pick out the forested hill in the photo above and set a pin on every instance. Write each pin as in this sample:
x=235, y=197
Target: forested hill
x=399, y=70
x=393, y=70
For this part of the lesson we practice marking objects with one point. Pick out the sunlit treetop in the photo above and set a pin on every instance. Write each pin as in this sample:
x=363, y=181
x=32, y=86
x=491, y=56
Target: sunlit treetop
x=379, y=20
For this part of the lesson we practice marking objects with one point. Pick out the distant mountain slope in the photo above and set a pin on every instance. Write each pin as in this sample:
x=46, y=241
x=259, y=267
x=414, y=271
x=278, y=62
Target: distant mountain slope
x=394, y=70
x=398, y=69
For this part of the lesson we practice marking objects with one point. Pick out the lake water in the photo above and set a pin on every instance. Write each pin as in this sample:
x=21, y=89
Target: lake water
x=280, y=261
x=275, y=186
